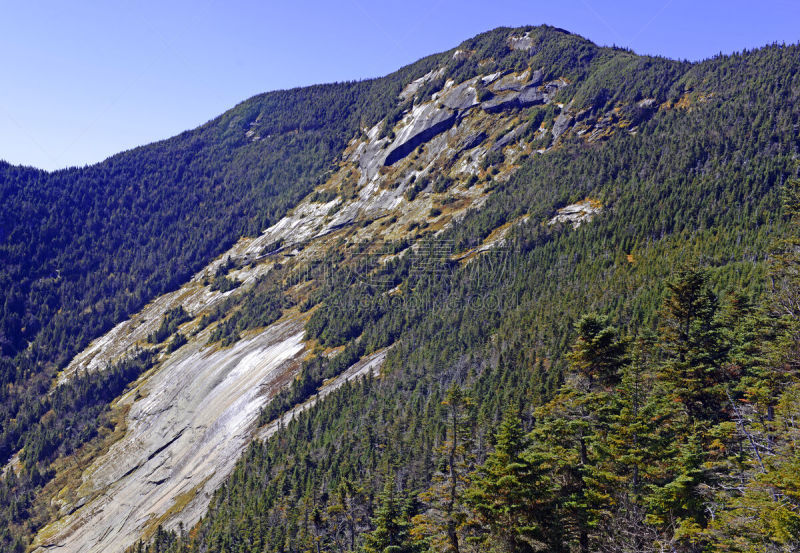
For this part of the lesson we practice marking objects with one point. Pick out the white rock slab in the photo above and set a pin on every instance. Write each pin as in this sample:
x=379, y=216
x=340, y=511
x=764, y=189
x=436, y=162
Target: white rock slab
x=195, y=417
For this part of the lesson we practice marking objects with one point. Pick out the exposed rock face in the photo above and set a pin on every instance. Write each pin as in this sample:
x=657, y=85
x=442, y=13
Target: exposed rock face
x=577, y=214
x=529, y=96
x=536, y=78
x=516, y=82
x=411, y=88
x=427, y=122
x=553, y=86
x=450, y=105
x=524, y=42
x=187, y=426
x=462, y=97
x=431, y=119
x=513, y=82
x=461, y=55
x=511, y=137
x=197, y=408
x=472, y=140
x=562, y=123
x=371, y=154
x=500, y=103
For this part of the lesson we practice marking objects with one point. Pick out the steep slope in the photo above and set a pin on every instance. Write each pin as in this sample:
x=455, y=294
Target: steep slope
x=161, y=460
x=685, y=178
x=434, y=245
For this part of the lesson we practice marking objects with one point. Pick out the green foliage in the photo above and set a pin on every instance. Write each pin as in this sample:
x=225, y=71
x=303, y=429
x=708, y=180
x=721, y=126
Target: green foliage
x=612, y=458
x=443, y=526
x=169, y=324
x=693, y=345
x=664, y=423
x=177, y=341
x=512, y=496
x=83, y=248
x=52, y=426
x=260, y=306
x=391, y=522
x=599, y=353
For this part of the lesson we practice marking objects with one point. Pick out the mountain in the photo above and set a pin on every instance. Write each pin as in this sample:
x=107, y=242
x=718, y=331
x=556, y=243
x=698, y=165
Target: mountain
x=511, y=297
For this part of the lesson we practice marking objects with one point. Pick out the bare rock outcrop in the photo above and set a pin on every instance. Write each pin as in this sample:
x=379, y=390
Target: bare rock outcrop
x=529, y=96
x=462, y=97
x=427, y=121
x=510, y=137
x=562, y=123
x=577, y=214
x=187, y=425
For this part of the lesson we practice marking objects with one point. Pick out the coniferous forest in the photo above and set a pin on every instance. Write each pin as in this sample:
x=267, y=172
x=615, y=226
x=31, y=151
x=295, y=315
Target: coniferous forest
x=627, y=385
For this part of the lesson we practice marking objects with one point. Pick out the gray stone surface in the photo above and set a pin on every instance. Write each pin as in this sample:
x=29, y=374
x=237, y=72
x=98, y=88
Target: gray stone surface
x=511, y=82
x=461, y=97
x=427, y=121
x=528, y=96
x=524, y=42
x=576, y=214
x=531, y=96
x=562, y=123
x=554, y=86
x=471, y=141
x=510, y=137
x=501, y=103
x=196, y=411
x=187, y=427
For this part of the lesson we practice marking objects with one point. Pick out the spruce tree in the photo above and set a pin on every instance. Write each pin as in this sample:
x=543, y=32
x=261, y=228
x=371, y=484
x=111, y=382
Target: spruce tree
x=391, y=522
x=693, y=345
x=441, y=525
x=512, y=496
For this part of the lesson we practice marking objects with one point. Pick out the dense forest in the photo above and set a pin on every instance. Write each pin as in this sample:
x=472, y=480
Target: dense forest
x=83, y=248
x=627, y=385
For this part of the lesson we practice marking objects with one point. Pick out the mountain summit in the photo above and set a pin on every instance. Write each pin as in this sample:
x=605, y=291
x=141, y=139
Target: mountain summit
x=509, y=298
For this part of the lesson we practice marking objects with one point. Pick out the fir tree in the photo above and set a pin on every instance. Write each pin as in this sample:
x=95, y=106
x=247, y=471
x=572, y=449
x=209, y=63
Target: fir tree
x=693, y=344
x=391, y=522
x=442, y=524
x=512, y=496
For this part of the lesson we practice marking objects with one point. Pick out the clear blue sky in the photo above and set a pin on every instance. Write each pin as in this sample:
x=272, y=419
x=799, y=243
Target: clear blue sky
x=83, y=80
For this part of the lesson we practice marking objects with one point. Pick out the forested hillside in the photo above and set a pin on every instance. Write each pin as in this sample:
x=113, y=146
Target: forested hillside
x=629, y=385
x=83, y=248
x=626, y=384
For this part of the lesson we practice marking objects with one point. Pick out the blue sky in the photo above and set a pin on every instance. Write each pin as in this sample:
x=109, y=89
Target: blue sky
x=83, y=80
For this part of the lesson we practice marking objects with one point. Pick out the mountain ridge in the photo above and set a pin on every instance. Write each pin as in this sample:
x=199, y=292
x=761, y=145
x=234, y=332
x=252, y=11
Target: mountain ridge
x=462, y=162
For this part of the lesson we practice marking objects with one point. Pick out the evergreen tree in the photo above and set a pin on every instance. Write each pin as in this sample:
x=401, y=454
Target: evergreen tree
x=693, y=345
x=391, y=523
x=441, y=526
x=573, y=428
x=640, y=446
x=598, y=353
x=513, y=497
